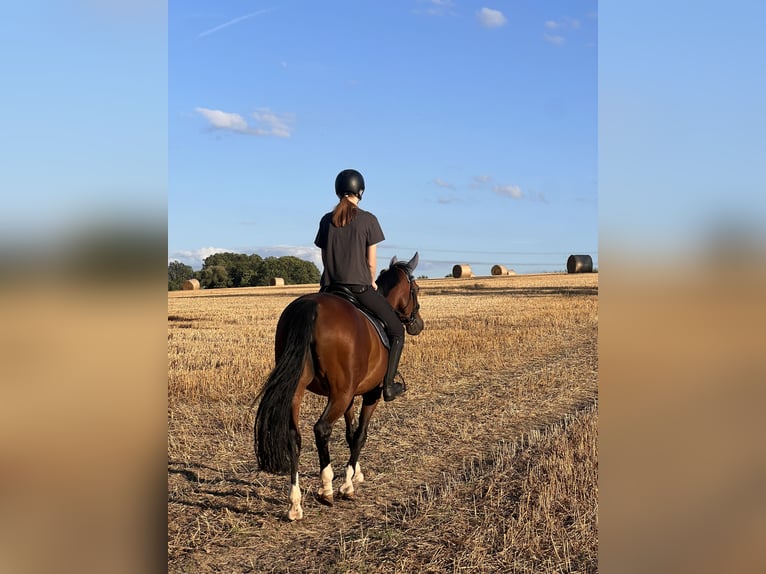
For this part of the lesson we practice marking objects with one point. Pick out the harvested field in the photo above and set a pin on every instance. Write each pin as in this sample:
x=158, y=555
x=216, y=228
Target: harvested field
x=487, y=464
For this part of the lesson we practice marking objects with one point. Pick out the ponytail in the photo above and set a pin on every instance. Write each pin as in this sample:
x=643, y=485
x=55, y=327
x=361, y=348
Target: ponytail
x=344, y=213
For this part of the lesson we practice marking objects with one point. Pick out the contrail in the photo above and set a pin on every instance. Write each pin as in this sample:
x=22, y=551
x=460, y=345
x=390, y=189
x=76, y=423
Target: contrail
x=232, y=22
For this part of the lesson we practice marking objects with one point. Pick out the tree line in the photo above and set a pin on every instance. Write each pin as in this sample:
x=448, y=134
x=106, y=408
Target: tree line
x=242, y=270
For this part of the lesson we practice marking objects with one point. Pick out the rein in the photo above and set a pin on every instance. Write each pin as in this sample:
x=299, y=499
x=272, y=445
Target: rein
x=413, y=297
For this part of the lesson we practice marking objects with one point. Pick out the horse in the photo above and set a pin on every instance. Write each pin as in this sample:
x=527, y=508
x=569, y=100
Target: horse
x=324, y=344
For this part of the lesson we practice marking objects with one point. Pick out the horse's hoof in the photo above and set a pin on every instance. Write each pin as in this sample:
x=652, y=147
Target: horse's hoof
x=324, y=499
x=346, y=495
x=295, y=514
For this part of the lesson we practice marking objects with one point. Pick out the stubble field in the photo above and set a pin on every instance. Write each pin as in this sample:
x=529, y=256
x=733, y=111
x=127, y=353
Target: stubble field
x=487, y=464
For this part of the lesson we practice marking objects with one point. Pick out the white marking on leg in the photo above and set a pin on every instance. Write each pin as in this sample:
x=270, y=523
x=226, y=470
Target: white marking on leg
x=347, y=488
x=325, y=491
x=358, y=476
x=295, y=512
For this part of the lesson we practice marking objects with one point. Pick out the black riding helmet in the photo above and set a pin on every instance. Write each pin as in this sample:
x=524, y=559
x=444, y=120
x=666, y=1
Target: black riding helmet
x=349, y=182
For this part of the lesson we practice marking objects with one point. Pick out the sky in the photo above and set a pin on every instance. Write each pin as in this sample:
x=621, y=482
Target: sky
x=681, y=122
x=84, y=103
x=552, y=131
x=474, y=126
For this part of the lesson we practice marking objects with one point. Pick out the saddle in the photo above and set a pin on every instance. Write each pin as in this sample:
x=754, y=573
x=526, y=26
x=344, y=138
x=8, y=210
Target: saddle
x=348, y=295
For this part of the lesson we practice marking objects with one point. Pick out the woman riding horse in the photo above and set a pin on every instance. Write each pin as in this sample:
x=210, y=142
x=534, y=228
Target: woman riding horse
x=325, y=344
x=348, y=237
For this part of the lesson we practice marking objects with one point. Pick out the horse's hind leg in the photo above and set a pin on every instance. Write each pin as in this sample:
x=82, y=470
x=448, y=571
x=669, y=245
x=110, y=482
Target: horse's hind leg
x=295, y=512
x=356, y=442
x=322, y=431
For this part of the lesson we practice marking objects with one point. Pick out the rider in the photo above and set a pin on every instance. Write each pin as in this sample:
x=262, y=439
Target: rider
x=348, y=237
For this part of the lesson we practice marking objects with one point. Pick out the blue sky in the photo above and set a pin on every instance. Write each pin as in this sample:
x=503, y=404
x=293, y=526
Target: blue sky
x=85, y=116
x=102, y=100
x=474, y=125
x=682, y=150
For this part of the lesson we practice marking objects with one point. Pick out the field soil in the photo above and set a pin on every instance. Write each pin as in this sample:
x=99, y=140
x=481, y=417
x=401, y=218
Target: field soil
x=487, y=464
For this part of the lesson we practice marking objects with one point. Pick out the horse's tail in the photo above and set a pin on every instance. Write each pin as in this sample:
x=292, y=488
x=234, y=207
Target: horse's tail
x=272, y=421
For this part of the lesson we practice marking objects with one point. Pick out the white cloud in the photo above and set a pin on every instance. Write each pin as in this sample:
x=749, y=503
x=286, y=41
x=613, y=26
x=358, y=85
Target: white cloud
x=275, y=125
x=490, y=18
x=561, y=25
x=195, y=257
x=512, y=191
x=223, y=120
x=554, y=39
x=269, y=123
x=442, y=183
x=438, y=7
x=305, y=252
x=479, y=181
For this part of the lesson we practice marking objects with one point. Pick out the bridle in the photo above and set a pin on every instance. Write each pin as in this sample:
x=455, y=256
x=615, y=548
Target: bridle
x=413, y=300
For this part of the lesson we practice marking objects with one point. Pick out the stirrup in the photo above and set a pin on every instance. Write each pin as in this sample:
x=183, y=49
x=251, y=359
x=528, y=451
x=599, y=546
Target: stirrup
x=398, y=379
x=396, y=388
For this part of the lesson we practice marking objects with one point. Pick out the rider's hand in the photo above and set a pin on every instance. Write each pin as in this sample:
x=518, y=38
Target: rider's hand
x=375, y=285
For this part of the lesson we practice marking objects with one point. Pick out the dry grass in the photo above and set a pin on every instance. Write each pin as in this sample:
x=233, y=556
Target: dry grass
x=487, y=464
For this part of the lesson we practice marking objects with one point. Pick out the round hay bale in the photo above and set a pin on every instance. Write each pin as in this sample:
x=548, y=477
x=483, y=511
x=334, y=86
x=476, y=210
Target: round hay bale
x=580, y=264
x=276, y=282
x=190, y=285
x=462, y=271
x=501, y=270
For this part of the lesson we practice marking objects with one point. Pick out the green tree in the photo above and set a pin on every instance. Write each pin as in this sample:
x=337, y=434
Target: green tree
x=300, y=271
x=273, y=267
x=178, y=273
x=240, y=267
x=214, y=277
x=239, y=270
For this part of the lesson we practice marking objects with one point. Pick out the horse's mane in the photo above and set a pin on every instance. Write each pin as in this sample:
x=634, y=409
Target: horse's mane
x=387, y=279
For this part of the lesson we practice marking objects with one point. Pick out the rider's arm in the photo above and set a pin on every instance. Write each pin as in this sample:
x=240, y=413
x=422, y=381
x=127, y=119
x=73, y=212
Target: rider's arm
x=372, y=251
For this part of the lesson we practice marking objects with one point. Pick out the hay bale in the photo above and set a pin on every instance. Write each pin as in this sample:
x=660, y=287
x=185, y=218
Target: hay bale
x=462, y=271
x=190, y=285
x=580, y=264
x=276, y=282
x=501, y=270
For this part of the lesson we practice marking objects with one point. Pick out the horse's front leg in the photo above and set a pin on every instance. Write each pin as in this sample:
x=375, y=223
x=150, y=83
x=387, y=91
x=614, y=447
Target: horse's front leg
x=356, y=442
x=353, y=474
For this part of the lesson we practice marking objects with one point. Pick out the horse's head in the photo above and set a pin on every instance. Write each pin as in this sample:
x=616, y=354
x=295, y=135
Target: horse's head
x=399, y=287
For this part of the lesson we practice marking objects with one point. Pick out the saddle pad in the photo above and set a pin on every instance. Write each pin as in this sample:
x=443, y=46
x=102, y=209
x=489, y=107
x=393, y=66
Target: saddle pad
x=374, y=321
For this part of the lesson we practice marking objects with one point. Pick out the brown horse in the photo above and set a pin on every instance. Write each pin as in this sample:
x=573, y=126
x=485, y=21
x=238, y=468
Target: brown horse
x=325, y=344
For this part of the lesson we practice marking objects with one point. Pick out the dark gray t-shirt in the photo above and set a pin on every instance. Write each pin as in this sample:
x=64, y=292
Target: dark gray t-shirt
x=346, y=248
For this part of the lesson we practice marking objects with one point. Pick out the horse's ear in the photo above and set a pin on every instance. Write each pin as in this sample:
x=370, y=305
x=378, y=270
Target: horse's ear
x=393, y=261
x=412, y=263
